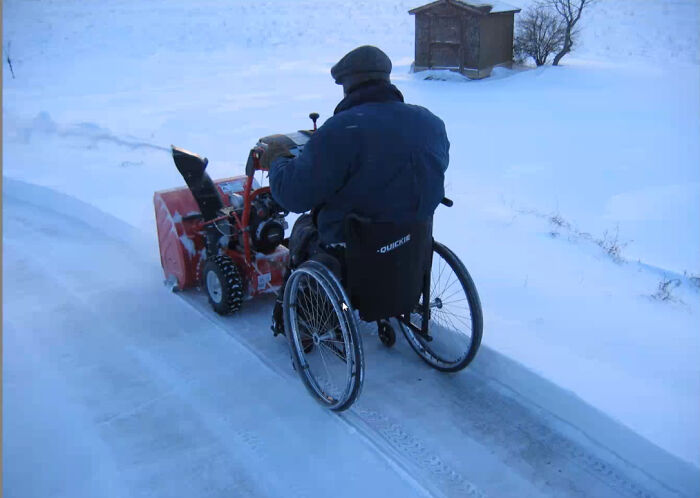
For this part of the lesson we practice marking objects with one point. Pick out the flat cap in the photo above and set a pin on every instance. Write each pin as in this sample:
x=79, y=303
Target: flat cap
x=366, y=61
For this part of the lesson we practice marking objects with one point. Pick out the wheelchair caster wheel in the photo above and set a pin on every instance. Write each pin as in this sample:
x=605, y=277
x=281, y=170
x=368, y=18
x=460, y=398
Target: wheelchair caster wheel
x=386, y=333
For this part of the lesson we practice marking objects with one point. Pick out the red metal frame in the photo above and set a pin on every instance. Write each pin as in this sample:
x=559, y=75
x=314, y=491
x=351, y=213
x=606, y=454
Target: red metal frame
x=182, y=241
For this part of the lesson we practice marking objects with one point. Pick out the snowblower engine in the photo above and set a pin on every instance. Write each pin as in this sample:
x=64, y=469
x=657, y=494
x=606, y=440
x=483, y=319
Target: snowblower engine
x=266, y=223
x=232, y=223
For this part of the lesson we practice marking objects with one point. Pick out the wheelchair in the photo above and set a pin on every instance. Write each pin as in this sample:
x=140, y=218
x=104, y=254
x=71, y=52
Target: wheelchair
x=390, y=271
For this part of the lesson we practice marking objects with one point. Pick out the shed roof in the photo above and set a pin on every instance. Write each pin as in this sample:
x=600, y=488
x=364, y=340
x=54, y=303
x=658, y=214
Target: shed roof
x=479, y=8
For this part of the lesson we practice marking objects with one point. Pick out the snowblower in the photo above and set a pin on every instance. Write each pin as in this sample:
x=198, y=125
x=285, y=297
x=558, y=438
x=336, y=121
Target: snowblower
x=226, y=235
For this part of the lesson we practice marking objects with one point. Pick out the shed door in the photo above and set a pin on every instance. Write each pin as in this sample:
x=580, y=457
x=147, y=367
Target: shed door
x=445, y=36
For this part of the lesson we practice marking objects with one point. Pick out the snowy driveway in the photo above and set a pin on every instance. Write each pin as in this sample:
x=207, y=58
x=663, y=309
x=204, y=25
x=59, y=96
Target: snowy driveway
x=115, y=387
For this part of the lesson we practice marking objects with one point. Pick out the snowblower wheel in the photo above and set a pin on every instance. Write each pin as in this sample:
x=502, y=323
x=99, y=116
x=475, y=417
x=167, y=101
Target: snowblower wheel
x=386, y=333
x=224, y=285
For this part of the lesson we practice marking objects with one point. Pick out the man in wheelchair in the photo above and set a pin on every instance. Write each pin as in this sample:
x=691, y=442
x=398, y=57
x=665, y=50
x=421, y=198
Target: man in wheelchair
x=372, y=177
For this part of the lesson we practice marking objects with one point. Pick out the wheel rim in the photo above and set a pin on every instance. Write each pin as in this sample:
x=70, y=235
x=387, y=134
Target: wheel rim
x=451, y=321
x=214, y=287
x=316, y=318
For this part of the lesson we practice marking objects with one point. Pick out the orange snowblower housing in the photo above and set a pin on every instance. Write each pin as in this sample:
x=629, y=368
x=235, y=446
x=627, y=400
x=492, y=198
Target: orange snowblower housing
x=182, y=242
x=227, y=234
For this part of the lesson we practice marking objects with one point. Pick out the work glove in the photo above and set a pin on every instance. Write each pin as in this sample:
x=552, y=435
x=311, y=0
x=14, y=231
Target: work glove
x=275, y=146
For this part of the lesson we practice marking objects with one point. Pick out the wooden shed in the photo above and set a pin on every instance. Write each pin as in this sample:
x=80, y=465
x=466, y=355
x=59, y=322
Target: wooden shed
x=469, y=37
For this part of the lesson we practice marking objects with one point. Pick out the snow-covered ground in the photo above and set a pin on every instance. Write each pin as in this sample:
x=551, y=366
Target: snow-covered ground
x=550, y=168
x=117, y=388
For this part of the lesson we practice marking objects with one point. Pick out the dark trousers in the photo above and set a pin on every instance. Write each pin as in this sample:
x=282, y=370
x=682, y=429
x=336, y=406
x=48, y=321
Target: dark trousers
x=305, y=245
x=304, y=242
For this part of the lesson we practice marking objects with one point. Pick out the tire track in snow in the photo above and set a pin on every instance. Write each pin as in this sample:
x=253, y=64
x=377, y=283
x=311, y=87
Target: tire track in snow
x=258, y=447
x=407, y=445
x=393, y=440
x=488, y=419
x=491, y=413
x=407, y=468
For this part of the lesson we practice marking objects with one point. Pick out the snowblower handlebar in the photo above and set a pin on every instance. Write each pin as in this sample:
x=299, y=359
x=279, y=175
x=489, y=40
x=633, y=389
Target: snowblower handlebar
x=253, y=163
x=293, y=141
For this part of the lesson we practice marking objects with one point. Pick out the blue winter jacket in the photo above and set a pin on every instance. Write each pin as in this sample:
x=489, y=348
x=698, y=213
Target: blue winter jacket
x=377, y=157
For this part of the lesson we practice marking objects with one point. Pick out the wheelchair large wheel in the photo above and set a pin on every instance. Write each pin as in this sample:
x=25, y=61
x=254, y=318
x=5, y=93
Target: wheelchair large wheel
x=323, y=337
x=456, y=322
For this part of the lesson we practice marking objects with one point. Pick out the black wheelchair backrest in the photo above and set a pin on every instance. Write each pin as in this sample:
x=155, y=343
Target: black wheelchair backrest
x=386, y=265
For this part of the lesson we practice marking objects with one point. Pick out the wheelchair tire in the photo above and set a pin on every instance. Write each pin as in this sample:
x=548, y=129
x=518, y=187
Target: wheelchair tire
x=316, y=307
x=455, y=307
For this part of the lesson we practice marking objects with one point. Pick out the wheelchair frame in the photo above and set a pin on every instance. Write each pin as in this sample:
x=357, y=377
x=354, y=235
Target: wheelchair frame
x=418, y=337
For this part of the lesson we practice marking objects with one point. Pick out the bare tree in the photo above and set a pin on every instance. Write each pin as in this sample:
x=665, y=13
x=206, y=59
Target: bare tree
x=540, y=33
x=570, y=12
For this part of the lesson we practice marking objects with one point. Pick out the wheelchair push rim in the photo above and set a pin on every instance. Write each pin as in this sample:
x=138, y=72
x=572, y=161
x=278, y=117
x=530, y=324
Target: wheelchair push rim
x=323, y=336
x=456, y=322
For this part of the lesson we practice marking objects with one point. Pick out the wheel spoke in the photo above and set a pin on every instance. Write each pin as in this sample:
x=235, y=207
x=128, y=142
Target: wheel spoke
x=335, y=352
x=304, y=304
x=441, y=267
x=450, y=283
x=445, y=303
x=458, y=291
x=328, y=314
x=325, y=366
x=449, y=317
x=444, y=310
x=334, y=340
x=306, y=328
x=462, y=313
